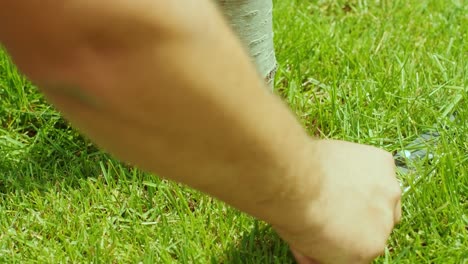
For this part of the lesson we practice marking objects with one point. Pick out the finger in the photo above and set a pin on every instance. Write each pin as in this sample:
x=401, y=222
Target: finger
x=397, y=204
x=397, y=212
x=301, y=259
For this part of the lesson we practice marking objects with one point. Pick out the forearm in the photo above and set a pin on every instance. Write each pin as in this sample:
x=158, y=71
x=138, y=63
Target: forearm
x=183, y=100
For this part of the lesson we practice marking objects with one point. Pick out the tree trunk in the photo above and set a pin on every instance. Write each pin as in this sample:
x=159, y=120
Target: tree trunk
x=252, y=20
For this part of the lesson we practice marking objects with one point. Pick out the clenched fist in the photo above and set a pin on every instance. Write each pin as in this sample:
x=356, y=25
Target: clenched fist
x=357, y=206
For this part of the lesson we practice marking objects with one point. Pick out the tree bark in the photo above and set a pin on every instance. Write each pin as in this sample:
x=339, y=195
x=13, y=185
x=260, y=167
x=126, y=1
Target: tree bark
x=252, y=20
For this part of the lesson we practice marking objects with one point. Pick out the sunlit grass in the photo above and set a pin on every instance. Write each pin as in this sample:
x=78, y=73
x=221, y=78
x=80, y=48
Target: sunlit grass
x=376, y=72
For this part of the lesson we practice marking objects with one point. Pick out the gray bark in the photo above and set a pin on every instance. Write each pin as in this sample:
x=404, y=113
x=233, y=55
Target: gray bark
x=252, y=20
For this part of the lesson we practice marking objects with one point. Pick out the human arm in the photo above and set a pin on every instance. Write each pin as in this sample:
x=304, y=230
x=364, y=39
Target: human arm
x=175, y=96
x=166, y=86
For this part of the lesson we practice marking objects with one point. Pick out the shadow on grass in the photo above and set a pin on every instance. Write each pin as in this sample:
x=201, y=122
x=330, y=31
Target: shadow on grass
x=58, y=159
x=260, y=245
x=44, y=165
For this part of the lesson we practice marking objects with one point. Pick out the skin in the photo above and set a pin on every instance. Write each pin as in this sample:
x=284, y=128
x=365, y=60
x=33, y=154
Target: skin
x=167, y=87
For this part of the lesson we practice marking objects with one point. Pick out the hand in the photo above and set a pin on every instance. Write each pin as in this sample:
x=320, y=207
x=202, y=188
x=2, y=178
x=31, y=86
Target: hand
x=357, y=206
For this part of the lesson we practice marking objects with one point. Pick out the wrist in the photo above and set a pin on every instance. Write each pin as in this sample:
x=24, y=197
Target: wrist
x=291, y=205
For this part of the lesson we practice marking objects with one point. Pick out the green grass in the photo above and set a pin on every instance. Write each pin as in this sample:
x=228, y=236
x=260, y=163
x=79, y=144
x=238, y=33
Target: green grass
x=377, y=72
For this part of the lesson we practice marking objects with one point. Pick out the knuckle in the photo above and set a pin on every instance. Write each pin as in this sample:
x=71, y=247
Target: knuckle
x=370, y=255
x=388, y=156
x=379, y=250
x=397, y=191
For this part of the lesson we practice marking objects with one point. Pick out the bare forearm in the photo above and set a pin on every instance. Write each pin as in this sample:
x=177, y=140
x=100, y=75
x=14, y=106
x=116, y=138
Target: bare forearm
x=182, y=100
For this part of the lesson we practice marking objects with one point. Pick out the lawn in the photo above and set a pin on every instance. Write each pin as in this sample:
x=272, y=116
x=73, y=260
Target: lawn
x=380, y=72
